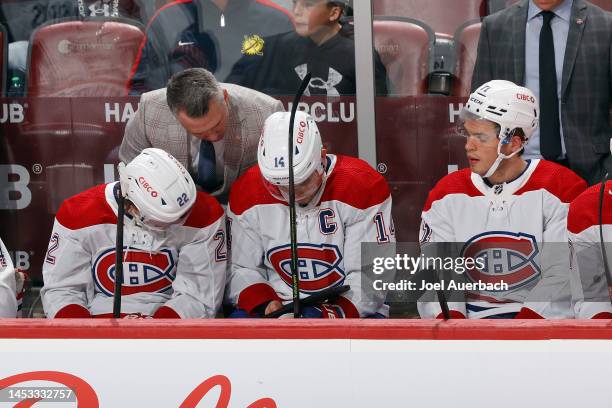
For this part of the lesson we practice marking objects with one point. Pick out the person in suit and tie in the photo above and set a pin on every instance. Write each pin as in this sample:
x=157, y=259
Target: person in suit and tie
x=211, y=128
x=562, y=51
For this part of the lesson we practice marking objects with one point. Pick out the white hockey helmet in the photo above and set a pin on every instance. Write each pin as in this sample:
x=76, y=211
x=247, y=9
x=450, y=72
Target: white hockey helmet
x=272, y=154
x=160, y=188
x=507, y=104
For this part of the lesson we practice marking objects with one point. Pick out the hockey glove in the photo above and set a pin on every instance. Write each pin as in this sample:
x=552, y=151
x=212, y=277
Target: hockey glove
x=323, y=311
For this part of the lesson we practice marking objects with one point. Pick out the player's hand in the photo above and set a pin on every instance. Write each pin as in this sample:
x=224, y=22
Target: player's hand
x=273, y=306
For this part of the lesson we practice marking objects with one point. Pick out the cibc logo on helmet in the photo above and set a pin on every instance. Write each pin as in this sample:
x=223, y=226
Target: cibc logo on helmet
x=301, y=129
x=148, y=188
x=523, y=97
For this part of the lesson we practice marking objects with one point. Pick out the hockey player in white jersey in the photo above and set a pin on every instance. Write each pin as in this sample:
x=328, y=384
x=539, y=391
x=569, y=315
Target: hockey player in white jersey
x=506, y=211
x=588, y=223
x=341, y=202
x=174, y=246
x=8, y=299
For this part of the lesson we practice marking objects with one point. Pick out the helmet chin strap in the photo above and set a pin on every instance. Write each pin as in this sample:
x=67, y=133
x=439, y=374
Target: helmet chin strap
x=500, y=157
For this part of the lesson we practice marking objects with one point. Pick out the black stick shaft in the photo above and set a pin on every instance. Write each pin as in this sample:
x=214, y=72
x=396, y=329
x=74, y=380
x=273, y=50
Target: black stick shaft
x=118, y=257
x=295, y=280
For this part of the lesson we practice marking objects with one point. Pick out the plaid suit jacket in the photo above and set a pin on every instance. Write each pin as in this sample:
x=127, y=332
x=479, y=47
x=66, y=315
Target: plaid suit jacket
x=154, y=125
x=586, y=84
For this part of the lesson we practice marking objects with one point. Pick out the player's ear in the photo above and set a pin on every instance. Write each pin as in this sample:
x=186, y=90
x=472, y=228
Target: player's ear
x=516, y=143
x=335, y=12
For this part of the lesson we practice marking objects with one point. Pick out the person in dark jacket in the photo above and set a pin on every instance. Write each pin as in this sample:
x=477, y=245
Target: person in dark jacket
x=211, y=34
x=322, y=44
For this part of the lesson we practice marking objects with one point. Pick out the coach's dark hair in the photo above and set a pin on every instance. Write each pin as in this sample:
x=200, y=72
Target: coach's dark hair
x=191, y=91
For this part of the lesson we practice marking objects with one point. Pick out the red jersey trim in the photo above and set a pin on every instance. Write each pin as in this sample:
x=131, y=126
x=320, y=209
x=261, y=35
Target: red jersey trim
x=454, y=314
x=73, y=311
x=584, y=210
x=166, y=312
x=206, y=211
x=249, y=191
x=353, y=182
x=255, y=295
x=556, y=179
x=458, y=182
x=86, y=209
x=527, y=313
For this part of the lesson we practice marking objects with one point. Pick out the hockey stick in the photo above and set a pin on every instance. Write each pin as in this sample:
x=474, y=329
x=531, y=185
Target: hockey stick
x=295, y=280
x=442, y=301
x=310, y=300
x=601, y=237
x=118, y=254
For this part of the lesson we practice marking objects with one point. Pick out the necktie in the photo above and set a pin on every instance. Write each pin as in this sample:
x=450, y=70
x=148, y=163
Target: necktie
x=207, y=177
x=550, y=134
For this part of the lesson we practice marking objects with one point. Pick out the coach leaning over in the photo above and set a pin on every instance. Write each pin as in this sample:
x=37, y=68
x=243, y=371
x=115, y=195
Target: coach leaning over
x=211, y=128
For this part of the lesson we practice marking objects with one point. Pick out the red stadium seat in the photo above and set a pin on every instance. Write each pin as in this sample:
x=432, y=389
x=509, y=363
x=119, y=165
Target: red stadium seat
x=82, y=58
x=466, y=47
x=442, y=16
x=404, y=46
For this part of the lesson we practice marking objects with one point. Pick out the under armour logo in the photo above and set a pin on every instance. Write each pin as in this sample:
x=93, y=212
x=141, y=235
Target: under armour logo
x=98, y=9
x=333, y=79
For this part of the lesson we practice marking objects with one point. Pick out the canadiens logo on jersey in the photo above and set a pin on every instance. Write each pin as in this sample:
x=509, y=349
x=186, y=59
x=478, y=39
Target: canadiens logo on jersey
x=318, y=265
x=142, y=272
x=508, y=257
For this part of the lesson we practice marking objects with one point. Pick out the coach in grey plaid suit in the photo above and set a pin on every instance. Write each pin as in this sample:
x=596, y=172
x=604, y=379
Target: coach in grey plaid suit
x=586, y=82
x=194, y=110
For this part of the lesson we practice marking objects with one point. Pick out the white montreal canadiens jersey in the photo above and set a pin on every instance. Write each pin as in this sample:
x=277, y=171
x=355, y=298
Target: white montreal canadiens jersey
x=590, y=291
x=182, y=268
x=8, y=300
x=353, y=206
x=529, y=213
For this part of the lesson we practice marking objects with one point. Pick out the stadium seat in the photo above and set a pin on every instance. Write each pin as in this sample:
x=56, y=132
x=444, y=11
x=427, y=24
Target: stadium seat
x=442, y=16
x=82, y=58
x=466, y=47
x=405, y=47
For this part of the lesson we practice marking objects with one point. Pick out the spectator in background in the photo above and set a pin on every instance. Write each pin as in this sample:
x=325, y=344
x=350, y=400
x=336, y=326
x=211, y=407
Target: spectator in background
x=23, y=17
x=212, y=128
x=322, y=44
x=560, y=50
x=211, y=34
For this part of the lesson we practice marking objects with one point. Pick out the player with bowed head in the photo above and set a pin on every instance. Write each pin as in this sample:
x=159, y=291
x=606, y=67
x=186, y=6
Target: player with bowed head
x=341, y=202
x=174, y=254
